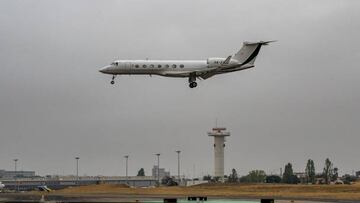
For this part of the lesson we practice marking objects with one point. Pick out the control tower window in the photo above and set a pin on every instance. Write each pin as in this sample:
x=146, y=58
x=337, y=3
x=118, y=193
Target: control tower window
x=174, y=66
x=181, y=66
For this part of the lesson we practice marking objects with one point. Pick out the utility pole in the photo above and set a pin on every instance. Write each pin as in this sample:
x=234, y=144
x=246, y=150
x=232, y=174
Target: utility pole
x=127, y=157
x=15, y=177
x=178, y=156
x=158, y=168
x=77, y=170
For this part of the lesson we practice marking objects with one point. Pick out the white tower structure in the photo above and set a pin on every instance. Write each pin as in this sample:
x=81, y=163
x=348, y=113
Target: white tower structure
x=219, y=135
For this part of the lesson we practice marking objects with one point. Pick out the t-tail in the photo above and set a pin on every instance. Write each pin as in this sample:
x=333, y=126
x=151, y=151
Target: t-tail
x=249, y=51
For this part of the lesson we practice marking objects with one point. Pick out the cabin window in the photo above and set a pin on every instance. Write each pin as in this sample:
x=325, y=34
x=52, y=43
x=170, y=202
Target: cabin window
x=144, y=66
x=136, y=66
x=181, y=66
x=174, y=66
x=151, y=66
x=167, y=66
x=159, y=66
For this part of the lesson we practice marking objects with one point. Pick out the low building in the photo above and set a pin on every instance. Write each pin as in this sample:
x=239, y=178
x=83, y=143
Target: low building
x=60, y=182
x=301, y=176
x=16, y=174
x=162, y=172
x=357, y=174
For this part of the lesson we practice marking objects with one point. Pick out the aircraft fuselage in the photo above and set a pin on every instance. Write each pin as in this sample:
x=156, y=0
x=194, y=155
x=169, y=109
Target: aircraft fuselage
x=169, y=68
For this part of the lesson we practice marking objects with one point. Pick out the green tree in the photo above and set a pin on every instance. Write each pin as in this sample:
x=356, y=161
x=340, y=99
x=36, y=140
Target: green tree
x=207, y=177
x=310, y=171
x=254, y=176
x=273, y=179
x=328, y=171
x=288, y=176
x=141, y=172
x=349, y=178
x=233, y=177
x=288, y=172
x=335, y=174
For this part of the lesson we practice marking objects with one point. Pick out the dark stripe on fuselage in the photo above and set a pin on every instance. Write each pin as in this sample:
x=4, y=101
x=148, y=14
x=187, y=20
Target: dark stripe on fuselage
x=235, y=69
x=253, y=55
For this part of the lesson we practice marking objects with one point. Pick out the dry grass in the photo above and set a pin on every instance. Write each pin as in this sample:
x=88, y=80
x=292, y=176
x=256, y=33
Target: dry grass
x=344, y=192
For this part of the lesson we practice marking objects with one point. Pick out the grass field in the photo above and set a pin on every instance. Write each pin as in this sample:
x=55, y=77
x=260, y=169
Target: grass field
x=325, y=192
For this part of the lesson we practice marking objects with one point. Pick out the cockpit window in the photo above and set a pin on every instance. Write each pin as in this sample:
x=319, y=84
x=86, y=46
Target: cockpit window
x=115, y=63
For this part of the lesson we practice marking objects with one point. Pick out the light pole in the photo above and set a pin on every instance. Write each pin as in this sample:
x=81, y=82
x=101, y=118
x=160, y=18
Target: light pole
x=178, y=156
x=127, y=157
x=15, y=175
x=77, y=170
x=158, y=168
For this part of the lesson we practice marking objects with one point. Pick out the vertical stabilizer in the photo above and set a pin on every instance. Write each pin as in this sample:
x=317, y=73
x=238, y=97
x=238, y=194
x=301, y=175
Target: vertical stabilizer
x=249, y=51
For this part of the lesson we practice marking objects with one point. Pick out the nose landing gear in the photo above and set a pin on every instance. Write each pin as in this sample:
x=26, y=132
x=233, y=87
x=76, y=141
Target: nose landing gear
x=113, y=80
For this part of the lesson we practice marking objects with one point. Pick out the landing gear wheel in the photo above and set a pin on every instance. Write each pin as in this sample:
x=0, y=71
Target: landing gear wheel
x=192, y=84
x=192, y=79
x=113, y=80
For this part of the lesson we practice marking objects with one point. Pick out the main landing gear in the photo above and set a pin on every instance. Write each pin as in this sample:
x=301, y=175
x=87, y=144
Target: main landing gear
x=192, y=82
x=113, y=80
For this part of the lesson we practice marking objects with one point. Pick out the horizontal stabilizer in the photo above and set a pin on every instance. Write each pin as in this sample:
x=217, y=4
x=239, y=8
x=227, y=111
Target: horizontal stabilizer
x=259, y=42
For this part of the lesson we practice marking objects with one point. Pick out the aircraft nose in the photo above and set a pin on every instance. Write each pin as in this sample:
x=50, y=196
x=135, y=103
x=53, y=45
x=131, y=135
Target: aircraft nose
x=104, y=69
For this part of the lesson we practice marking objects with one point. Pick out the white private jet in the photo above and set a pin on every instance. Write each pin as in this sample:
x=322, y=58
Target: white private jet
x=191, y=69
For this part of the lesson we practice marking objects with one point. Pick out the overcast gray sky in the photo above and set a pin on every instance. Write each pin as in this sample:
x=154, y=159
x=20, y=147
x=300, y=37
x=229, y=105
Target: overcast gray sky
x=301, y=100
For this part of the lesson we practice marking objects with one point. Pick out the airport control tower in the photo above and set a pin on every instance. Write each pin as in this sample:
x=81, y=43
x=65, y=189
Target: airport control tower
x=219, y=135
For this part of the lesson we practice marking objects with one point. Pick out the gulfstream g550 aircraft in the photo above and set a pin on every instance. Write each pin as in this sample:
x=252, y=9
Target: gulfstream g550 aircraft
x=192, y=69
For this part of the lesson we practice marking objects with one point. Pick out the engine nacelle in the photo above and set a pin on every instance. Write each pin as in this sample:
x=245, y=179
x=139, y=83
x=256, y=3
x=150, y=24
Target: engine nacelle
x=215, y=61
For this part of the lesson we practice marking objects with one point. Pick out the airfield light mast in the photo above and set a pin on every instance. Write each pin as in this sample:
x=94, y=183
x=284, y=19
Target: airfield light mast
x=127, y=157
x=178, y=157
x=158, y=168
x=77, y=170
x=219, y=135
x=15, y=177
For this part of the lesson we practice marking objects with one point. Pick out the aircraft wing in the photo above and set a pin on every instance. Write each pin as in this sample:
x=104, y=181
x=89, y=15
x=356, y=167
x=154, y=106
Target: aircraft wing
x=223, y=69
x=207, y=75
